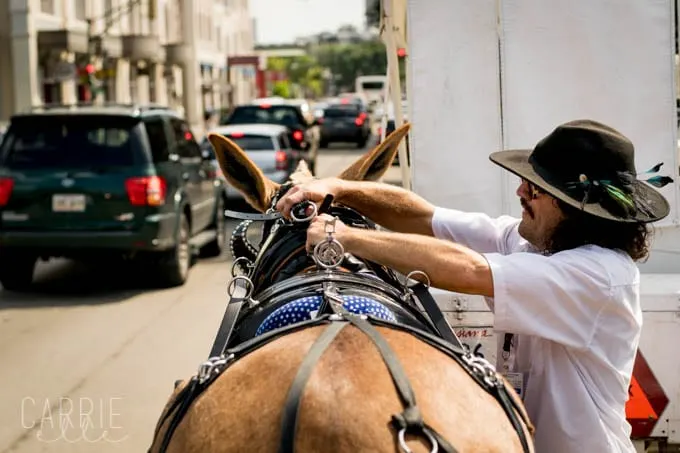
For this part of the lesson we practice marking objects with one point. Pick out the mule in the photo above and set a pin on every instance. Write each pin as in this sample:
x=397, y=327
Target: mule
x=322, y=356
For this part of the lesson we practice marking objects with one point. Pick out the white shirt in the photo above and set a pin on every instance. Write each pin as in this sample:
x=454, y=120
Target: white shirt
x=577, y=320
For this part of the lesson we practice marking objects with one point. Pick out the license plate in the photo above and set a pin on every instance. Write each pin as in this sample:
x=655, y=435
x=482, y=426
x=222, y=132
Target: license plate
x=479, y=340
x=68, y=203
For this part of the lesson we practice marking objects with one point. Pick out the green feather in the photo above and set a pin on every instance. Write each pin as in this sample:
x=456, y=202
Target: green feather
x=622, y=198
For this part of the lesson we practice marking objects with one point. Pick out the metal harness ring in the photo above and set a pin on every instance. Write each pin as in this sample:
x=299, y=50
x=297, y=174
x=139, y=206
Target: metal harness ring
x=430, y=438
x=232, y=286
x=408, y=277
x=315, y=210
x=248, y=264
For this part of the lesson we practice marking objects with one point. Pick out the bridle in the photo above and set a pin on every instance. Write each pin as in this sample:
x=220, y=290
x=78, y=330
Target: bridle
x=246, y=299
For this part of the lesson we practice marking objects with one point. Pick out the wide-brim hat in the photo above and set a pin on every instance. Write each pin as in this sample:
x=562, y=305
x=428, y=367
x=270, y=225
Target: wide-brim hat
x=590, y=166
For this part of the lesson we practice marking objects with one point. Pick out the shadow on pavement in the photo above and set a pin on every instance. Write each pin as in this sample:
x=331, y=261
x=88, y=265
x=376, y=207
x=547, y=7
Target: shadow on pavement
x=64, y=283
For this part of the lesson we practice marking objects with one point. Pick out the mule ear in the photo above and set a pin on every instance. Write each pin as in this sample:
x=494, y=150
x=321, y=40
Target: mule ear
x=372, y=165
x=243, y=174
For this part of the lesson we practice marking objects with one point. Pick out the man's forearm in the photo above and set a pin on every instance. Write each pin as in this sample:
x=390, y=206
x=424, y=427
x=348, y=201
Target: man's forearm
x=392, y=207
x=449, y=266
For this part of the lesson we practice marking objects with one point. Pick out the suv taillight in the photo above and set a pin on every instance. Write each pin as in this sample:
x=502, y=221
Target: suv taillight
x=146, y=190
x=281, y=160
x=6, y=187
x=297, y=135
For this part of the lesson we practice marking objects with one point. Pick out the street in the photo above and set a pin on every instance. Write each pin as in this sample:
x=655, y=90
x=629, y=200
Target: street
x=89, y=357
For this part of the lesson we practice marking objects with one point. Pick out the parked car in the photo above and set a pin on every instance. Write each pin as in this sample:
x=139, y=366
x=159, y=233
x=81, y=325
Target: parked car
x=303, y=134
x=99, y=182
x=3, y=130
x=266, y=145
x=345, y=122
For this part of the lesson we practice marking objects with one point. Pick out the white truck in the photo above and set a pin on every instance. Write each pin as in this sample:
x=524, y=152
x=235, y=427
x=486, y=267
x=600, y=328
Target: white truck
x=372, y=87
x=489, y=75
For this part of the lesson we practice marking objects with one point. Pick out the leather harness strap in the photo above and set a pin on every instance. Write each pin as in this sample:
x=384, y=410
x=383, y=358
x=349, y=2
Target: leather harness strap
x=195, y=387
x=410, y=420
x=229, y=320
x=291, y=409
x=252, y=215
x=435, y=313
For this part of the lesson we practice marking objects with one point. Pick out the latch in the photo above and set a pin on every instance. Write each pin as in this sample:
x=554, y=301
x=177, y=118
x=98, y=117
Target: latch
x=460, y=305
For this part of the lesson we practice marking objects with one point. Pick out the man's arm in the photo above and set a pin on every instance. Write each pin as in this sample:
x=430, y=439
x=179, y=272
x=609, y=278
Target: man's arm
x=392, y=207
x=449, y=266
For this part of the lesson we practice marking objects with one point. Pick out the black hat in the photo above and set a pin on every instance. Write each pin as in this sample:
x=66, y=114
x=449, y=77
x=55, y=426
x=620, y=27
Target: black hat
x=592, y=167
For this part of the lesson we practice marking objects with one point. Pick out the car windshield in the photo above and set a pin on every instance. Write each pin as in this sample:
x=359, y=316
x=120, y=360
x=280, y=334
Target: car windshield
x=372, y=85
x=69, y=142
x=253, y=142
x=245, y=142
x=348, y=111
x=277, y=114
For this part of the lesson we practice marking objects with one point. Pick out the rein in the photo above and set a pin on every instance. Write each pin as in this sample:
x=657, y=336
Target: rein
x=329, y=282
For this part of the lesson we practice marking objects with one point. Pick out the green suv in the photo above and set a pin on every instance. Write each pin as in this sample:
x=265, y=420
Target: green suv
x=95, y=183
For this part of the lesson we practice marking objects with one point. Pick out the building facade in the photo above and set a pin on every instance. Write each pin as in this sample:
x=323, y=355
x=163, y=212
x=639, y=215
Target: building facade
x=170, y=52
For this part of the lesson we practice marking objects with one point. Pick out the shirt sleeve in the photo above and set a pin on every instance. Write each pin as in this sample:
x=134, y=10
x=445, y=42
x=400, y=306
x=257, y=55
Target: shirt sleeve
x=558, y=297
x=474, y=230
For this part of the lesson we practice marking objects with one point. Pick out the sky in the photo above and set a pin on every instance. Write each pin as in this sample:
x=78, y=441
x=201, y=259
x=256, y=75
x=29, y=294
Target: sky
x=281, y=21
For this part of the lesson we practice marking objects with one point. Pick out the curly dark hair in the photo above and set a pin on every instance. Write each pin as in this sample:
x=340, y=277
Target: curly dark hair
x=579, y=228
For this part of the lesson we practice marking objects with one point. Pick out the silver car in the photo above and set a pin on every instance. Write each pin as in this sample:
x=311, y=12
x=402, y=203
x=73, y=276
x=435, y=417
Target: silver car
x=266, y=145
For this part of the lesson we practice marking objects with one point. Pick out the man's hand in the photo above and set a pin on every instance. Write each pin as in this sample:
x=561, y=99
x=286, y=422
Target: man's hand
x=316, y=232
x=313, y=191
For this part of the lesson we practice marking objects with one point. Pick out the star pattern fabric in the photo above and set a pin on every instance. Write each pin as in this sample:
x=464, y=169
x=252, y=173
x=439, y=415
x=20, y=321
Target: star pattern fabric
x=305, y=308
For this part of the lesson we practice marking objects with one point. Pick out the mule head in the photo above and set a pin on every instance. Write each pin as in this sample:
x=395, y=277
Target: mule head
x=259, y=191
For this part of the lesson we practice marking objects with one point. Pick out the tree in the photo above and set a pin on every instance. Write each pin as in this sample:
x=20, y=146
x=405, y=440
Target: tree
x=348, y=61
x=281, y=88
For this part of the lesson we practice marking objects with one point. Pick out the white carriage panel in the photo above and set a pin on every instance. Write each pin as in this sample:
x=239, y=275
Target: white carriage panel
x=611, y=60
x=660, y=293
x=454, y=103
x=659, y=344
x=660, y=300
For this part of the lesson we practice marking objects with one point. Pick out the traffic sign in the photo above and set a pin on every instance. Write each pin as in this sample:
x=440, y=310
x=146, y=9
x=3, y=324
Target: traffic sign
x=647, y=399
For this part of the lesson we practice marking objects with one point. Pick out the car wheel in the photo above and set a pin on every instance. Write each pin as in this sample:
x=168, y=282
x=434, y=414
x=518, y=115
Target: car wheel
x=216, y=246
x=16, y=270
x=174, y=269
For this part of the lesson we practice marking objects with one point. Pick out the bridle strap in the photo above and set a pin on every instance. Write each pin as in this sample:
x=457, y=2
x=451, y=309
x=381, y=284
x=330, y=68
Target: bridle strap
x=252, y=215
x=291, y=408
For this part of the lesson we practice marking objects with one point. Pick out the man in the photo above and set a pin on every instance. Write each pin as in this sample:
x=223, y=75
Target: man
x=562, y=280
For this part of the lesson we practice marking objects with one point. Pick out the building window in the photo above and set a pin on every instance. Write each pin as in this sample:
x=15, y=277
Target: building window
x=47, y=6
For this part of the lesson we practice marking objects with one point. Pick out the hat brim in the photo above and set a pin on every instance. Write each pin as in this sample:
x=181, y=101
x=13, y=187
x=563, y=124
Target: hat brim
x=517, y=161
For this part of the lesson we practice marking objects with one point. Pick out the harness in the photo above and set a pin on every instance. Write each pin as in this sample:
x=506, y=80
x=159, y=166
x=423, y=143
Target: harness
x=330, y=285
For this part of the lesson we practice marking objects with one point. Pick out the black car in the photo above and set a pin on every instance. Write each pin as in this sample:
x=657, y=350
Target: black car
x=348, y=122
x=94, y=183
x=303, y=135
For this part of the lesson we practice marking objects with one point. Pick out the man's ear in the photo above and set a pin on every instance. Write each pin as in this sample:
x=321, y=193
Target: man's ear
x=373, y=165
x=243, y=174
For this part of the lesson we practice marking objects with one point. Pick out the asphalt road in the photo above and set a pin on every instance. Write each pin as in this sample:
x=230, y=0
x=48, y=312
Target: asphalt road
x=89, y=356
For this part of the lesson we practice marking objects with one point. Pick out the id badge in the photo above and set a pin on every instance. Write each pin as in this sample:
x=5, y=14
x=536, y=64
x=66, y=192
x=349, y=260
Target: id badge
x=516, y=380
